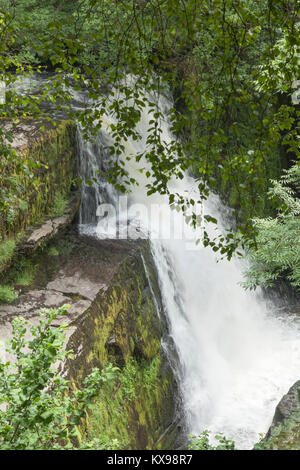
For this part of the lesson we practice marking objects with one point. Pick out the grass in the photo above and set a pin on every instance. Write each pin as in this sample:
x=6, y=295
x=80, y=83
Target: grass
x=7, y=294
x=59, y=205
x=65, y=246
x=52, y=251
x=22, y=273
x=7, y=249
x=25, y=275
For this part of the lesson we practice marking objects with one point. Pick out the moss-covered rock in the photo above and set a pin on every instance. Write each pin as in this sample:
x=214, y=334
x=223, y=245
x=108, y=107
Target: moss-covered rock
x=49, y=160
x=115, y=315
x=123, y=326
x=51, y=156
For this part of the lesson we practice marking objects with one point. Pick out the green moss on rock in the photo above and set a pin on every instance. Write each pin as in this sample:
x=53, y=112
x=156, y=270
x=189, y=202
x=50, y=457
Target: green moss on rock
x=52, y=159
x=122, y=326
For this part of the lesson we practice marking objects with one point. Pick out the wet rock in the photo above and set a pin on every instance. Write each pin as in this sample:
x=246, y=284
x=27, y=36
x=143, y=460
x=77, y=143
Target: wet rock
x=41, y=234
x=75, y=282
x=55, y=151
x=284, y=432
x=76, y=285
x=288, y=407
x=51, y=227
x=112, y=318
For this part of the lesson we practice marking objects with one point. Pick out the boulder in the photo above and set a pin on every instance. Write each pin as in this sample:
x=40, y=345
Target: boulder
x=284, y=432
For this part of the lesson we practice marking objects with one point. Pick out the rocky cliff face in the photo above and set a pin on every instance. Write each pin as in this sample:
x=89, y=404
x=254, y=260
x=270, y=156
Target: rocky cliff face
x=49, y=160
x=53, y=155
x=115, y=313
x=123, y=326
x=284, y=432
x=113, y=317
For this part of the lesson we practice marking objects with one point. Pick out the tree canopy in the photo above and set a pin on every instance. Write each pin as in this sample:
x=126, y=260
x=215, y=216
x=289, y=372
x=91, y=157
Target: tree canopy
x=230, y=65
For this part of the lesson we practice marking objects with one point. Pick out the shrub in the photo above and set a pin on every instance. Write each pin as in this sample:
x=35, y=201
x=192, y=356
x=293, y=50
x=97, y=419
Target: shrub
x=201, y=442
x=7, y=294
x=59, y=205
x=7, y=249
x=38, y=411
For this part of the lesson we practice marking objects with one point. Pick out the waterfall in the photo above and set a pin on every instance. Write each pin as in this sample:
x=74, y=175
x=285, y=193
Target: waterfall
x=238, y=353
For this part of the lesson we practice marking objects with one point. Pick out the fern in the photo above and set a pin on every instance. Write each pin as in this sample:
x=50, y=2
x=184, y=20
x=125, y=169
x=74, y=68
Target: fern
x=278, y=239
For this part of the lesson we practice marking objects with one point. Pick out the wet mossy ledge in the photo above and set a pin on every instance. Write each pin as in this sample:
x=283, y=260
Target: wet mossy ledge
x=125, y=326
x=45, y=191
x=113, y=318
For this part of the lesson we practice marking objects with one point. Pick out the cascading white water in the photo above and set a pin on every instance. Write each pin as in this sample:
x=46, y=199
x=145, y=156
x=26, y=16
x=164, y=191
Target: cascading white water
x=238, y=356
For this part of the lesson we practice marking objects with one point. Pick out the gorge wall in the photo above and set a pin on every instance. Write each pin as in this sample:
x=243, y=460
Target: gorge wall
x=115, y=315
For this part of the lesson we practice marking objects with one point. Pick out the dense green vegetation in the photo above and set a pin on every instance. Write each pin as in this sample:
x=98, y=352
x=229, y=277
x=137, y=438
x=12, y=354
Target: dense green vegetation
x=277, y=252
x=38, y=412
x=202, y=442
x=230, y=64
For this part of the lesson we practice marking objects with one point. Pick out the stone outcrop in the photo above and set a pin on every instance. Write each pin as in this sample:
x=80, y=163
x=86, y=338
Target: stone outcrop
x=288, y=407
x=284, y=432
x=115, y=311
x=41, y=234
x=112, y=318
x=49, y=158
x=52, y=153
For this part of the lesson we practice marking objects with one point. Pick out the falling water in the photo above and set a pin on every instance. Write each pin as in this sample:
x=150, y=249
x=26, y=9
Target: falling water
x=238, y=355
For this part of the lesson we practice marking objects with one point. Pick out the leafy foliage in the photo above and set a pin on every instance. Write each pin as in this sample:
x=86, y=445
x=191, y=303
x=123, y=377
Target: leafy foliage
x=38, y=409
x=217, y=56
x=285, y=436
x=7, y=249
x=278, y=239
x=202, y=442
x=59, y=205
x=7, y=294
